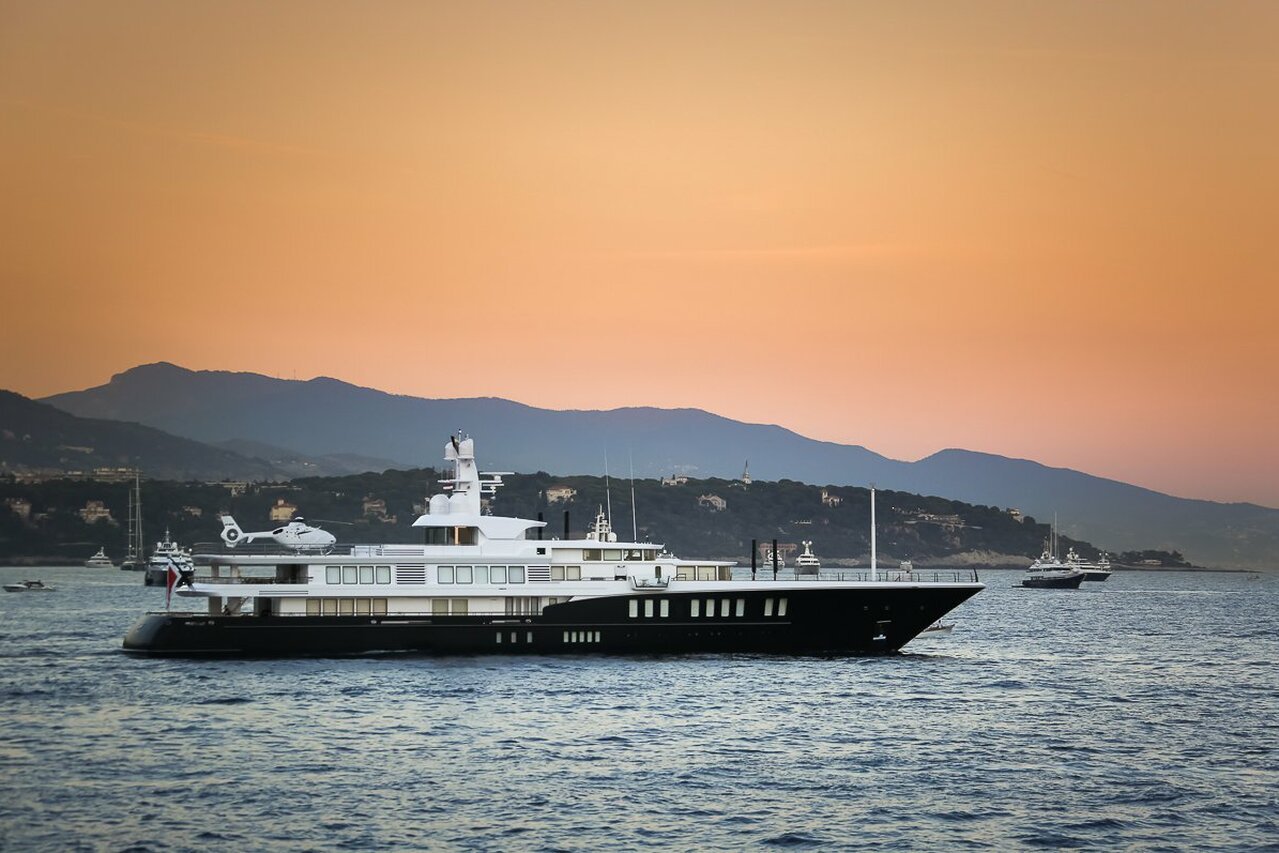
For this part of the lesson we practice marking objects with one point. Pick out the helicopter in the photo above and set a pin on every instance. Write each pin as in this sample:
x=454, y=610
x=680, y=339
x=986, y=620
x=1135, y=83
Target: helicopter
x=297, y=534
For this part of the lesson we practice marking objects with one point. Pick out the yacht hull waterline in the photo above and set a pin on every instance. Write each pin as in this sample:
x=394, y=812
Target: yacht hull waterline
x=849, y=621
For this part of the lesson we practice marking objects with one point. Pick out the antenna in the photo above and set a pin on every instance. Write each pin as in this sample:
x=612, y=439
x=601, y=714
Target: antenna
x=634, y=521
x=608, y=495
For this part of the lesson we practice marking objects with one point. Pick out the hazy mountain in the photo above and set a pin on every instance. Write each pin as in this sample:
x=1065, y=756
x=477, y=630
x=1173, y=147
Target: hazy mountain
x=322, y=417
x=39, y=437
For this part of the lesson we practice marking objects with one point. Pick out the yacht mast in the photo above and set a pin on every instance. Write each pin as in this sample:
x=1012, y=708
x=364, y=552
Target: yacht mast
x=873, y=557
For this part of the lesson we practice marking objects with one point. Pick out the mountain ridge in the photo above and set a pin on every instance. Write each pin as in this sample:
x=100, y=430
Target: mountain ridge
x=325, y=416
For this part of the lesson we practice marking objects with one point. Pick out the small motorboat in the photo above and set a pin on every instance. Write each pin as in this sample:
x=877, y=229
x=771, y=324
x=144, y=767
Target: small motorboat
x=27, y=586
x=939, y=627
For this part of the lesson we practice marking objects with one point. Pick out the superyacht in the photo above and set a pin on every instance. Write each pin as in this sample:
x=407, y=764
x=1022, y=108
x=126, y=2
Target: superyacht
x=482, y=583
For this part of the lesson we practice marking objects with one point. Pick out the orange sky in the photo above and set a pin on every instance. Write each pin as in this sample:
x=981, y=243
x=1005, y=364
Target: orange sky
x=1042, y=230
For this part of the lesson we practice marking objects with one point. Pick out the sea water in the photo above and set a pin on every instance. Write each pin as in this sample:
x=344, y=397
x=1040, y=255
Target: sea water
x=1142, y=712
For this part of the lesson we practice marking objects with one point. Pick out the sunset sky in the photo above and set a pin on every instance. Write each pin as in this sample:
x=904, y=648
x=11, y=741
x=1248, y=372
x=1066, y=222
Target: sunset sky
x=1046, y=230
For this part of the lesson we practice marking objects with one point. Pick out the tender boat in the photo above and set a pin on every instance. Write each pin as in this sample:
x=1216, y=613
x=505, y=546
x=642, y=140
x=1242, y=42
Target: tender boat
x=940, y=627
x=27, y=586
x=99, y=560
x=166, y=551
x=492, y=584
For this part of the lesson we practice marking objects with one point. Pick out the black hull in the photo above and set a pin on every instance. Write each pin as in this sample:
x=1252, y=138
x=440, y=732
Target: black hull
x=818, y=621
x=1053, y=583
x=155, y=577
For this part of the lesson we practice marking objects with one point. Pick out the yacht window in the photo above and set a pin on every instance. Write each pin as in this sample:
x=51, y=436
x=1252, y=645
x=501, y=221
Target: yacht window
x=463, y=574
x=459, y=606
x=665, y=609
x=379, y=607
x=366, y=574
x=768, y=607
x=350, y=574
x=330, y=606
x=597, y=636
x=612, y=555
x=723, y=608
x=333, y=574
x=514, y=637
x=313, y=607
x=681, y=573
x=383, y=574
x=781, y=607
x=705, y=573
x=592, y=555
x=573, y=573
x=481, y=574
x=497, y=574
x=566, y=636
x=363, y=607
x=634, y=608
x=650, y=555
x=557, y=573
x=439, y=607
x=648, y=607
x=710, y=608
x=515, y=574
x=499, y=636
x=695, y=608
x=346, y=606
x=740, y=610
x=632, y=554
x=445, y=574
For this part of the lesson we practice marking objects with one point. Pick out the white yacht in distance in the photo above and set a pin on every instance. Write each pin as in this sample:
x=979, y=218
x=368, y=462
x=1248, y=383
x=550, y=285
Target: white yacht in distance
x=1049, y=571
x=1098, y=571
x=99, y=560
x=807, y=562
x=492, y=584
x=166, y=551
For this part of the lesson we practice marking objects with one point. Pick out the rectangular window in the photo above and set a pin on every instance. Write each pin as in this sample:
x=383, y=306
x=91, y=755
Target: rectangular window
x=723, y=608
x=768, y=607
x=445, y=574
x=592, y=555
x=383, y=574
x=597, y=636
x=710, y=608
x=740, y=610
x=513, y=635
x=695, y=608
x=464, y=574
x=499, y=636
x=781, y=607
x=577, y=636
x=440, y=606
x=481, y=574
x=515, y=574
x=665, y=609
x=459, y=606
x=363, y=607
x=573, y=573
x=346, y=606
x=333, y=574
x=528, y=636
x=313, y=607
x=379, y=607
x=350, y=574
x=612, y=555
x=330, y=606
x=634, y=608
x=648, y=608
x=497, y=574
x=565, y=637
x=366, y=574
x=681, y=573
x=557, y=573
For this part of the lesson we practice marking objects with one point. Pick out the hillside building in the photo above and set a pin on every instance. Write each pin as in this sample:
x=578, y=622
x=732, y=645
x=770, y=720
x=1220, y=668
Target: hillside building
x=560, y=494
x=95, y=511
x=713, y=502
x=283, y=510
